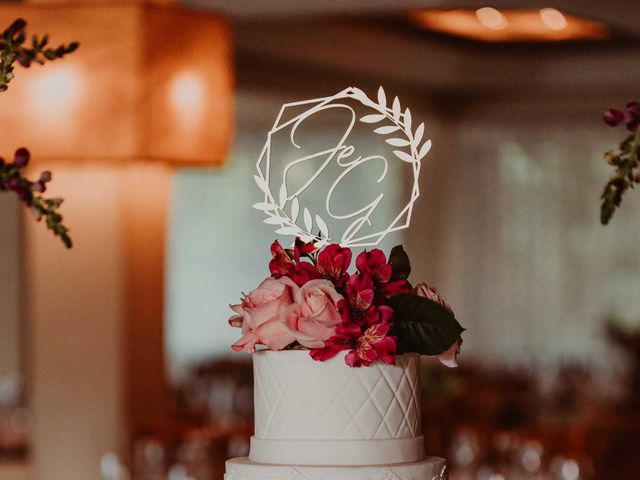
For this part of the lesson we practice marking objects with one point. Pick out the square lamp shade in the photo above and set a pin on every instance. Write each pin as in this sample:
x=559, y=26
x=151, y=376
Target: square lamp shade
x=149, y=82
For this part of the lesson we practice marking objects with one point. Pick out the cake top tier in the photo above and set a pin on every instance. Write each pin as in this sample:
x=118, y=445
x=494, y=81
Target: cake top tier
x=327, y=413
x=297, y=398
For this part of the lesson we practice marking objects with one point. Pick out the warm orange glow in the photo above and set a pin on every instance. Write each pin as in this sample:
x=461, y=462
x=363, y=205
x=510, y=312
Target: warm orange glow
x=56, y=93
x=171, y=104
x=491, y=25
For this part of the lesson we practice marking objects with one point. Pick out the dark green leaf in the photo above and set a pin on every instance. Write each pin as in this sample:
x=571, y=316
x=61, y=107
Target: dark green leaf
x=54, y=202
x=66, y=240
x=49, y=54
x=400, y=264
x=422, y=325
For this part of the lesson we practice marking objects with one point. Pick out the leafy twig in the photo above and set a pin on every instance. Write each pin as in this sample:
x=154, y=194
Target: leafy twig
x=11, y=178
x=12, y=50
x=625, y=159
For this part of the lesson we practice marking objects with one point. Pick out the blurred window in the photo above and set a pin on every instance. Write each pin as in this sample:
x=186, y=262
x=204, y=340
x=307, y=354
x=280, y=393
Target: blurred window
x=540, y=273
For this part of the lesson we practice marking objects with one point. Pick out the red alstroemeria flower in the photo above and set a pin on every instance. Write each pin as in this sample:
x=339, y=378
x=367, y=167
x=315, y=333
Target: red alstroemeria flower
x=396, y=287
x=374, y=344
x=342, y=340
x=345, y=312
x=303, y=272
x=281, y=263
x=360, y=290
x=299, y=271
x=345, y=338
x=301, y=248
x=331, y=349
x=378, y=314
x=333, y=263
x=374, y=263
x=366, y=347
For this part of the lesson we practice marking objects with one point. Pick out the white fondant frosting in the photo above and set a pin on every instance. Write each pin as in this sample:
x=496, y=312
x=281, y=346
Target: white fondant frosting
x=432, y=468
x=337, y=452
x=315, y=413
x=328, y=421
x=299, y=398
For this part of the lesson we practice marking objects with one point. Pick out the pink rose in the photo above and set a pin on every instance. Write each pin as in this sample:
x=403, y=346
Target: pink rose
x=259, y=316
x=313, y=316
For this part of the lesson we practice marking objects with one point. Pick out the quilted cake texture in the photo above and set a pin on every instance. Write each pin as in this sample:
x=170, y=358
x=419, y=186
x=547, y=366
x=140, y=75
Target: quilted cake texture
x=298, y=398
x=328, y=421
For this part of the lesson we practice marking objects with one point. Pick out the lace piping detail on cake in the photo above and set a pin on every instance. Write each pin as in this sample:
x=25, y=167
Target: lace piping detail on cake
x=292, y=474
x=389, y=475
x=295, y=474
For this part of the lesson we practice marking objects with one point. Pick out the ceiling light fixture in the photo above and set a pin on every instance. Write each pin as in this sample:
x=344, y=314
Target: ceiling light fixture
x=491, y=18
x=553, y=19
x=168, y=99
x=510, y=26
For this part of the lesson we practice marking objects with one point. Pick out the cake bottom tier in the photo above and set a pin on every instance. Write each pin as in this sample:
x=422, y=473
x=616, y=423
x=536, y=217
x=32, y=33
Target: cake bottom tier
x=432, y=468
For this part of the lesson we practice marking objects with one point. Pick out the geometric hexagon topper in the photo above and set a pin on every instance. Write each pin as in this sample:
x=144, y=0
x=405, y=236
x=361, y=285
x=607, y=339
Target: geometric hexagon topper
x=288, y=211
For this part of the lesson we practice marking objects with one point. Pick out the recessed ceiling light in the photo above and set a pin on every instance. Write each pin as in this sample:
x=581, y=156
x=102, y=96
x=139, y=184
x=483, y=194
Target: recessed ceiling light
x=491, y=18
x=491, y=25
x=553, y=19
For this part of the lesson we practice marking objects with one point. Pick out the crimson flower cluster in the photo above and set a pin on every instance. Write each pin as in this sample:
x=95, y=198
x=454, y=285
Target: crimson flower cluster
x=12, y=179
x=629, y=116
x=366, y=318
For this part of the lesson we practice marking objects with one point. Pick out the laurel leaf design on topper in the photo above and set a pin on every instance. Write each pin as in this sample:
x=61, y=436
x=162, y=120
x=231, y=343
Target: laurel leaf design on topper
x=284, y=210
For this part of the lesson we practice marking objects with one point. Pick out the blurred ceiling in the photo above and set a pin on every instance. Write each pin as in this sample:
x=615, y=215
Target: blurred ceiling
x=372, y=41
x=621, y=13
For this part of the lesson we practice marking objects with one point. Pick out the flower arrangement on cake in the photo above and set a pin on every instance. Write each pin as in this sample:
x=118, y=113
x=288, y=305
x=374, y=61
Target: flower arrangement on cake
x=311, y=301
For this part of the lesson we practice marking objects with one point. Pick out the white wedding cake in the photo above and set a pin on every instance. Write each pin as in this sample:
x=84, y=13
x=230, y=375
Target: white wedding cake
x=336, y=353
x=328, y=421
